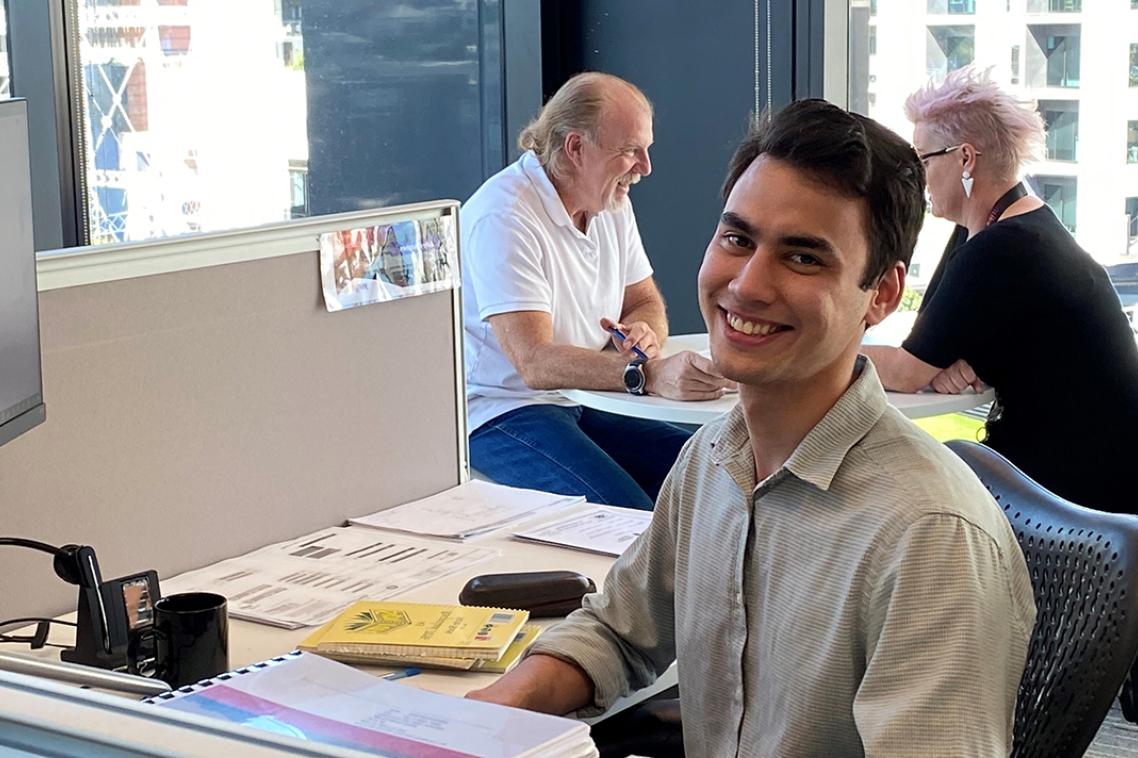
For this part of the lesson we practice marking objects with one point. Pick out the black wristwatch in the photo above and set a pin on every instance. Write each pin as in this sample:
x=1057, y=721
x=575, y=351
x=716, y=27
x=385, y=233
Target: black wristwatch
x=634, y=379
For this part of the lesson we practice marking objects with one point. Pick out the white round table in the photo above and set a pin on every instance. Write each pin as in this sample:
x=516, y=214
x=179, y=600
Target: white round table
x=913, y=405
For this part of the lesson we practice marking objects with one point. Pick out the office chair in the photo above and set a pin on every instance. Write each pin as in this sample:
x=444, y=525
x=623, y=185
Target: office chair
x=1084, y=573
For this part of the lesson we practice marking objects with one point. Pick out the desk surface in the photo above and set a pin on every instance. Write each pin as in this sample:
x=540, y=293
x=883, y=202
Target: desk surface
x=249, y=642
x=914, y=405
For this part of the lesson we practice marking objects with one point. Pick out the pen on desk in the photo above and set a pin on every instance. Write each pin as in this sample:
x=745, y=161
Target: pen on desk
x=620, y=336
x=401, y=674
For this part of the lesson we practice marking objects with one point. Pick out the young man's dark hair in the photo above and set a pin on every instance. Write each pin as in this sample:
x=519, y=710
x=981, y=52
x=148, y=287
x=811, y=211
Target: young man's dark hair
x=855, y=156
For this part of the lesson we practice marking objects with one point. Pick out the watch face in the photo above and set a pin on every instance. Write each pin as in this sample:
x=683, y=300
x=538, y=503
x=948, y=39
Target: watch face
x=634, y=378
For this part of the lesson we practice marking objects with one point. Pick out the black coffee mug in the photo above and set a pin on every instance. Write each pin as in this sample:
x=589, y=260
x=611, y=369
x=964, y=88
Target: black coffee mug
x=189, y=639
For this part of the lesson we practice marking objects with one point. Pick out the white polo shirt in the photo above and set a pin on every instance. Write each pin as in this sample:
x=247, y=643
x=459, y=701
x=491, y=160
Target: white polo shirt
x=521, y=252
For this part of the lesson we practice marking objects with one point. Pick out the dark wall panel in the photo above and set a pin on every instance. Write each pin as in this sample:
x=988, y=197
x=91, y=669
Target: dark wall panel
x=404, y=100
x=696, y=62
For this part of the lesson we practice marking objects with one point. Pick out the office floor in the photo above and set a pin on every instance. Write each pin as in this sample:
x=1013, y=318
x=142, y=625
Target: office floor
x=1117, y=738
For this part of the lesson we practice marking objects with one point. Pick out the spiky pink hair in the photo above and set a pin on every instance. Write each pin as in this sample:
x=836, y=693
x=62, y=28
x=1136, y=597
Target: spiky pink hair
x=969, y=107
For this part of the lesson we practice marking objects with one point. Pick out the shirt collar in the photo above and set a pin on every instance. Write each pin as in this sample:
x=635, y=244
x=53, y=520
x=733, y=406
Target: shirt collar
x=550, y=200
x=821, y=452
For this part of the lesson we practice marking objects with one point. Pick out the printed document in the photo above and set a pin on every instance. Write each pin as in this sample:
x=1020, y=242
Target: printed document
x=470, y=509
x=600, y=529
x=308, y=580
x=319, y=700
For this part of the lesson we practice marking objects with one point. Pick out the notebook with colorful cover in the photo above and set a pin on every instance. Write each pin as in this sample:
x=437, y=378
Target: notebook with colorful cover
x=513, y=655
x=368, y=629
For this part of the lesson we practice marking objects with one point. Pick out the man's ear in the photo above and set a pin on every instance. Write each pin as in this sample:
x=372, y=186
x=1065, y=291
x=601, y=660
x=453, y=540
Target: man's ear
x=886, y=296
x=573, y=147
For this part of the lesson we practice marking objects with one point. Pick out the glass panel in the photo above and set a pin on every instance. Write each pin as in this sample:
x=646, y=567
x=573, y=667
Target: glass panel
x=1053, y=55
x=5, y=67
x=1061, y=193
x=214, y=115
x=1054, y=6
x=1132, y=225
x=1133, y=65
x=1132, y=141
x=952, y=6
x=949, y=48
x=1062, y=120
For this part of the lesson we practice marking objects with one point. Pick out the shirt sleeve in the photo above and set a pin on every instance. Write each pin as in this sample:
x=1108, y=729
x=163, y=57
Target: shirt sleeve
x=624, y=637
x=636, y=265
x=958, y=318
x=503, y=266
x=946, y=644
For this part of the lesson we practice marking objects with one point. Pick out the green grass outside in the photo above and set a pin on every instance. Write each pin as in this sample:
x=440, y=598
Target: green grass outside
x=951, y=426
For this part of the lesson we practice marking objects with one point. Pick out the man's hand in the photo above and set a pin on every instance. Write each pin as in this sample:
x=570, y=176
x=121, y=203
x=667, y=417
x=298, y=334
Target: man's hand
x=956, y=378
x=685, y=376
x=637, y=334
x=540, y=683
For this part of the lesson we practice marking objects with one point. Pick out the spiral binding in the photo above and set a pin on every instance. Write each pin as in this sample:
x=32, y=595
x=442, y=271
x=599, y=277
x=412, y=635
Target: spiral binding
x=251, y=668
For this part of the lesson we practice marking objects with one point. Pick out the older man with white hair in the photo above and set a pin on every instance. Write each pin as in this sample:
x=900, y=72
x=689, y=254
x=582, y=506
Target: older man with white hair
x=552, y=259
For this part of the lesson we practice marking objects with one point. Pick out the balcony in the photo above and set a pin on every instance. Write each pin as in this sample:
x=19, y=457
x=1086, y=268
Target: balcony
x=1053, y=55
x=1054, y=6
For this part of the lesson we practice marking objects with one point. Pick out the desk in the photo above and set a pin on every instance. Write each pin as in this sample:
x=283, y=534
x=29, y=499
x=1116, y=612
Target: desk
x=249, y=642
x=914, y=405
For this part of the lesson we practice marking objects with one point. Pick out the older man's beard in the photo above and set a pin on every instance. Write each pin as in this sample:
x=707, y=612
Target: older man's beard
x=617, y=199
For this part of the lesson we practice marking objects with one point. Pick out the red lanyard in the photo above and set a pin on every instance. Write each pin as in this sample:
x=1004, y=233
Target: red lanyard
x=1005, y=201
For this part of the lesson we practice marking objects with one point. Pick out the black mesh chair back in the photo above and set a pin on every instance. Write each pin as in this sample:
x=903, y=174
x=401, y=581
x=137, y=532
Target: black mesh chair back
x=1084, y=573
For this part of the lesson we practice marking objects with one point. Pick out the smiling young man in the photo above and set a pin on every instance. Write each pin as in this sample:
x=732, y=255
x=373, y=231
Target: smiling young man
x=830, y=579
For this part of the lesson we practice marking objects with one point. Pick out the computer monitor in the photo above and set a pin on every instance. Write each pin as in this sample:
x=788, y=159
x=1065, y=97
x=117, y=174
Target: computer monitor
x=21, y=381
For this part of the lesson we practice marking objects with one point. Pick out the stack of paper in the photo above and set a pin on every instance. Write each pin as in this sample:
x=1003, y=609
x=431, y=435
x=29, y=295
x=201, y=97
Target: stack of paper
x=600, y=529
x=313, y=698
x=308, y=580
x=424, y=635
x=469, y=509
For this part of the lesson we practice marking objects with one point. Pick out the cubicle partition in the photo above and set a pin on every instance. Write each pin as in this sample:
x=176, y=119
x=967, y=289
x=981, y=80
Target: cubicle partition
x=203, y=402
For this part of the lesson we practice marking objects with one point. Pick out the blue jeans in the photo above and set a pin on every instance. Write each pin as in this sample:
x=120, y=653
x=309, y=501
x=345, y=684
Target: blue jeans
x=611, y=459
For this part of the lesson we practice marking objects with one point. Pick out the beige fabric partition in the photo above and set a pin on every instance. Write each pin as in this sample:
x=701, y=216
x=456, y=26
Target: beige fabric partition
x=199, y=414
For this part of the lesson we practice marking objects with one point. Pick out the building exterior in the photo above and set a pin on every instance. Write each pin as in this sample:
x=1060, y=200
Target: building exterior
x=195, y=115
x=1078, y=59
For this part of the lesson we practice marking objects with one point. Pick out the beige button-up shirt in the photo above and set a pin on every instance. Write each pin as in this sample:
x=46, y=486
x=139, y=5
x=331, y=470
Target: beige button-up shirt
x=869, y=598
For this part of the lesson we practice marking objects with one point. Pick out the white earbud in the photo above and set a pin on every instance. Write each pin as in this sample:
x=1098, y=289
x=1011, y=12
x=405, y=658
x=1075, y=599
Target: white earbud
x=966, y=179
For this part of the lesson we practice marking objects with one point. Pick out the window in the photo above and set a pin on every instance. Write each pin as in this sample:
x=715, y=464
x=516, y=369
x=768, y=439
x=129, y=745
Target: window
x=1035, y=56
x=199, y=115
x=1132, y=226
x=952, y=6
x=1053, y=55
x=1132, y=141
x=1061, y=193
x=1062, y=120
x=1133, y=64
x=4, y=64
x=1054, y=6
x=298, y=188
x=949, y=48
x=873, y=40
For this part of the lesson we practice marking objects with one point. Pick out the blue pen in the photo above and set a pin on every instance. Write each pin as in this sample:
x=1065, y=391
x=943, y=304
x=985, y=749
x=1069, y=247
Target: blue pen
x=617, y=333
x=402, y=674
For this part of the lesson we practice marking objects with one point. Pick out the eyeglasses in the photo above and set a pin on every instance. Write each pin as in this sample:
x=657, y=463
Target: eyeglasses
x=943, y=151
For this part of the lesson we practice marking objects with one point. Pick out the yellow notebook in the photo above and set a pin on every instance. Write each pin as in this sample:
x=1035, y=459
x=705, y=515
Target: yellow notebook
x=513, y=655
x=373, y=629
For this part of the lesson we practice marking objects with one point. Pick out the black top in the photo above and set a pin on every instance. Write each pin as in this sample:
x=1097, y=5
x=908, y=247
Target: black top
x=1038, y=319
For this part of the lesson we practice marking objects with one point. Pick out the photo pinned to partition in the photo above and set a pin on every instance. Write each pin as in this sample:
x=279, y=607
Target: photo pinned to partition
x=375, y=264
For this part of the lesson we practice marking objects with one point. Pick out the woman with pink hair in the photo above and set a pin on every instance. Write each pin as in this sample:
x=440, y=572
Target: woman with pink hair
x=1016, y=303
